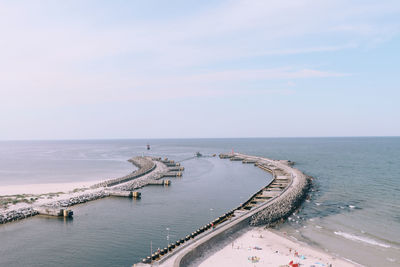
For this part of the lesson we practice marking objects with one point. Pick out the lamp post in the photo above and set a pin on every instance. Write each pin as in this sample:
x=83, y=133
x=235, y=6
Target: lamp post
x=167, y=236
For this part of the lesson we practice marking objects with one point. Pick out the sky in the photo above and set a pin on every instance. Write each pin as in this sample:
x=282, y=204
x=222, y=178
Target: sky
x=199, y=69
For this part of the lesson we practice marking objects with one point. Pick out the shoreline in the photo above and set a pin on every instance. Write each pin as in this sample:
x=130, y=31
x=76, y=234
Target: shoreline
x=44, y=188
x=263, y=246
x=257, y=246
x=266, y=247
x=237, y=242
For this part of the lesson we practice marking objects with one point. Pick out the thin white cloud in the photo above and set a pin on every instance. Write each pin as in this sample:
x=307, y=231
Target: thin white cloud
x=53, y=89
x=234, y=30
x=63, y=61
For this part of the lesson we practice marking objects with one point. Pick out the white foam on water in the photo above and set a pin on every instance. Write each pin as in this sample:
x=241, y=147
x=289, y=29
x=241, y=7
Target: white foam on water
x=319, y=227
x=351, y=206
x=355, y=263
x=361, y=239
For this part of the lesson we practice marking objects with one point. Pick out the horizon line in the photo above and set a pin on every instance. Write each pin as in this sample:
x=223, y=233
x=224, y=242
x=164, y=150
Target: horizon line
x=192, y=138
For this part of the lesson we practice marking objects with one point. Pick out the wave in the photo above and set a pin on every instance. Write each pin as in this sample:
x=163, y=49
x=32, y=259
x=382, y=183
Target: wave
x=355, y=263
x=362, y=239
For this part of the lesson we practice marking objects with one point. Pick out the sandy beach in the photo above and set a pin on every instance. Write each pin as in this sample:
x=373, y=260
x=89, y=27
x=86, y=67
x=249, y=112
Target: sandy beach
x=43, y=188
x=262, y=247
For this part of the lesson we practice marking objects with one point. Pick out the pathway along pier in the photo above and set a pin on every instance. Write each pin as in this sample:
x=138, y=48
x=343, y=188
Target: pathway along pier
x=274, y=202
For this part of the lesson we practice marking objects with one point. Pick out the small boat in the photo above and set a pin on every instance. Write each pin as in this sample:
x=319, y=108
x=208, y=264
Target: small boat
x=198, y=154
x=148, y=147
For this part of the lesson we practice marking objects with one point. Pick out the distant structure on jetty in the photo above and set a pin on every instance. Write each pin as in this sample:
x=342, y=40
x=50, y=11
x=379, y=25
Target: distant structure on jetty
x=272, y=203
x=151, y=171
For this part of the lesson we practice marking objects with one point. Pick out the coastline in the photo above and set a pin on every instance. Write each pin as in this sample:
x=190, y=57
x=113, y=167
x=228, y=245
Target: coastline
x=257, y=246
x=332, y=219
x=58, y=199
x=44, y=188
x=272, y=242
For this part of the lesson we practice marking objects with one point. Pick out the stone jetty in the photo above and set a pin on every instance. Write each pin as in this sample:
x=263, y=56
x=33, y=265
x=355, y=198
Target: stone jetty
x=79, y=199
x=155, y=174
x=14, y=215
x=145, y=165
x=272, y=203
x=150, y=172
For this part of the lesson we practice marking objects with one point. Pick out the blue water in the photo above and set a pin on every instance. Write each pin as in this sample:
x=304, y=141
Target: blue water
x=354, y=208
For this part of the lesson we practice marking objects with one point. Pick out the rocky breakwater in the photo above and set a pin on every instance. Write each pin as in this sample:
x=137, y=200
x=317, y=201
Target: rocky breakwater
x=14, y=215
x=289, y=199
x=77, y=199
x=283, y=206
x=145, y=165
x=156, y=173
x=149, y=170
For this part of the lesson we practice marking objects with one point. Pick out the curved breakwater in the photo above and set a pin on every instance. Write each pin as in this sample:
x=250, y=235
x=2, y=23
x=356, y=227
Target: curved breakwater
x=272, y=203
x=144, y=165
x=150, y=172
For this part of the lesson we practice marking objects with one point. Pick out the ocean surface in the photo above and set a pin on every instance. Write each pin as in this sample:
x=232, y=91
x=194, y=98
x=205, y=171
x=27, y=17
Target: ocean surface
x=354, y=210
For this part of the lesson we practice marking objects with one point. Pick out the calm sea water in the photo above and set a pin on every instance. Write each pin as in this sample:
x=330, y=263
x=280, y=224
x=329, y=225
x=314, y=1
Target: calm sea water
x=354, y=210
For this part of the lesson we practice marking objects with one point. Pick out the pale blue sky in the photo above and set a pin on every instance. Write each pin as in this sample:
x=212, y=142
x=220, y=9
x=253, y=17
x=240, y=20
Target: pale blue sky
x=182, y=69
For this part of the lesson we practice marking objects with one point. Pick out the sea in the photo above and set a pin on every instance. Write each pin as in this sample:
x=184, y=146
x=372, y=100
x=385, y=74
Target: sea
x=353, y=210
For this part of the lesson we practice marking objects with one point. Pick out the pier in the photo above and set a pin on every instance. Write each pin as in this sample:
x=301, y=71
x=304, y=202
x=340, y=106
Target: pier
x=172, y=174
x=130, y=194
x=272, y=203
x=55, y=212
x=160, y=182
